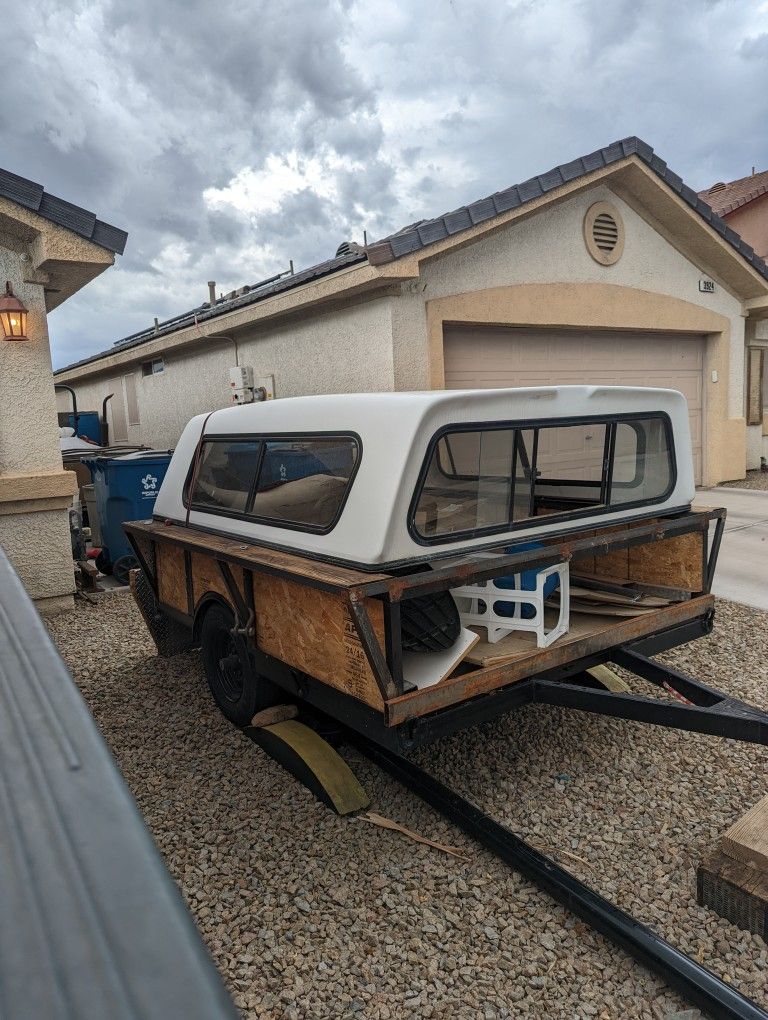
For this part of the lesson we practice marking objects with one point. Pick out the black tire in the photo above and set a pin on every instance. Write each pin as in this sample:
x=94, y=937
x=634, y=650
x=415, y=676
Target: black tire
x=238, y=690
x=122, y=567
x=103, y=563
x=430, y=623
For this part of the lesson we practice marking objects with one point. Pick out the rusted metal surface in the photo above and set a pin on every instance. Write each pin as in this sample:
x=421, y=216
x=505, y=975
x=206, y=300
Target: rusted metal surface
x=373, y=650
x=313, y=573
x=481, y=681
x=482, y=567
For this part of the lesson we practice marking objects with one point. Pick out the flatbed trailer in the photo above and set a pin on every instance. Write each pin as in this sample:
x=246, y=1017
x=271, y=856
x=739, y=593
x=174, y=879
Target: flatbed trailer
x=330, y=635
x=299, y=564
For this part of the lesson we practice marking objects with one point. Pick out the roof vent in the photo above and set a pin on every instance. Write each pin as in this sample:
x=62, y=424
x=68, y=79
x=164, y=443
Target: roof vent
x=720, y=186
x=349, y=248
x=604, y=233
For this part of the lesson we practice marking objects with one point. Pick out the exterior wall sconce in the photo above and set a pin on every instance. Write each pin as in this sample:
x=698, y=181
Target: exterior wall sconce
x=13, y=315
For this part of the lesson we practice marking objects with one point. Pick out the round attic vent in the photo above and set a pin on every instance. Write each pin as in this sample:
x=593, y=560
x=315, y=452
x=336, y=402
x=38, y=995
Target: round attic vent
x=720, y=186
x=604, y=233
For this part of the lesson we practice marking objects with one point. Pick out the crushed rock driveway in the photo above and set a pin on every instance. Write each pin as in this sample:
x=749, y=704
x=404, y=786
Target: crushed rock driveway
x=310, y=915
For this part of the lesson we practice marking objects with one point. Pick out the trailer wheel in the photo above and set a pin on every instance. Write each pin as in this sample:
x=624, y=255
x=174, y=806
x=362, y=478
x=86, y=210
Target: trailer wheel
x=238, y=690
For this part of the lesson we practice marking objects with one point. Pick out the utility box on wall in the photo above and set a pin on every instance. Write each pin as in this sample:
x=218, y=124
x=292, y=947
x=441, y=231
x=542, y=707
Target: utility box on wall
x=245, y=390
x=241, y=384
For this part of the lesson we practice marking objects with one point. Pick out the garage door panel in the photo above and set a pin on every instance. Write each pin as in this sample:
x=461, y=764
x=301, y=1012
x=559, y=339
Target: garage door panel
x=480, y=358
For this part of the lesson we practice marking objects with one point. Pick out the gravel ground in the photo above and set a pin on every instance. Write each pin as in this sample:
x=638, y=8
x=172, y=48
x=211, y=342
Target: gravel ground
x=754, y=480
x=310, y=915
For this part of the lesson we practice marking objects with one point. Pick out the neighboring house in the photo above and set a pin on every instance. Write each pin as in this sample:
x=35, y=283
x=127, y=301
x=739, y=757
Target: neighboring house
x=607, y=269
x=743, y=204
x=49, y=249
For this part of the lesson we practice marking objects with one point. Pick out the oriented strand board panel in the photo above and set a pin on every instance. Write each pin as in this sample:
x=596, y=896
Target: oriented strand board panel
x=206, y=577
x=171, y=576
x=584, y=563
x=616, y=562
x=747, y=839
x=314, y=632
x=677, y=562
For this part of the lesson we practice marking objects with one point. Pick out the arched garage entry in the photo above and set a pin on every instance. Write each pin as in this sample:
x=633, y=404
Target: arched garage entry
x=482, y=357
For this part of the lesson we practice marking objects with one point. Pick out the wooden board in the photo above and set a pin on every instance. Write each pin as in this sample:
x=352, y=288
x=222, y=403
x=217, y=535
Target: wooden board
x=206, y=577
x=616, y=562
x=747, y=839
x=522, y=644
x=314, y=632
x=171, y=576
x=316, y=573
x=738, y=892
x=538, y=660
x=677, y=562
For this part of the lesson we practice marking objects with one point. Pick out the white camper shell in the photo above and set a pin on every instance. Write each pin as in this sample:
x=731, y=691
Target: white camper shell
x=381, y=479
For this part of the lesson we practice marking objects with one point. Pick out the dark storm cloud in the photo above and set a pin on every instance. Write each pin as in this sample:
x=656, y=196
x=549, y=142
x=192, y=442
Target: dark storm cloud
x=229, y=138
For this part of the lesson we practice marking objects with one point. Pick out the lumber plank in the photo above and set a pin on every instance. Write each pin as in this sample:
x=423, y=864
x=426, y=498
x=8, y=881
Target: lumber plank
x=735, y=891
x=747, y=839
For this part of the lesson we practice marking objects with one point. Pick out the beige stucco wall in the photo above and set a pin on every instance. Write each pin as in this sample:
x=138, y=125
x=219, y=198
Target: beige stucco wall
x=491, y=281
x=396, y=341
x=34, y=489
x=751, y=222
x=344, y=351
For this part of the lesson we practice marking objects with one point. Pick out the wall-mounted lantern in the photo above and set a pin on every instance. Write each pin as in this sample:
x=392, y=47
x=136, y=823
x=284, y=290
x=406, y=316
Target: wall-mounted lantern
x=13, y=315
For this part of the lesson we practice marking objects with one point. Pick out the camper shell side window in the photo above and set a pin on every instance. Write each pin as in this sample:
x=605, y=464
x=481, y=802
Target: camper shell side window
x=299, y=482
x=482, y=479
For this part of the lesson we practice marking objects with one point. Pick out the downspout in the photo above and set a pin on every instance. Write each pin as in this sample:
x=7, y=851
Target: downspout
x=103, y=424
x=75, y=415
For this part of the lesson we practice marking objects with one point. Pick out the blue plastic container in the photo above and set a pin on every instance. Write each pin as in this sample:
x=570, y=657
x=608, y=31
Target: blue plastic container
x=527, y=583
x=125, y=488
x=87, y=425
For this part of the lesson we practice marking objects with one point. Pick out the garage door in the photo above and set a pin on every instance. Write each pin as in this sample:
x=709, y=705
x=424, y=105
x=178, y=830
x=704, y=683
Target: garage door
x=483, y=357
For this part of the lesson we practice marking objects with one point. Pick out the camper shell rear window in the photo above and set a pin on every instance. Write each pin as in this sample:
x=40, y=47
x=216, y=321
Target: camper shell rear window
x=482, y=479
x=287, y=481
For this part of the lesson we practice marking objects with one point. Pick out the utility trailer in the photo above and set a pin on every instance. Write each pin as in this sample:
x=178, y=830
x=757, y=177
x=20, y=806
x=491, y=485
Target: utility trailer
x=310, y=546
x=331, y=549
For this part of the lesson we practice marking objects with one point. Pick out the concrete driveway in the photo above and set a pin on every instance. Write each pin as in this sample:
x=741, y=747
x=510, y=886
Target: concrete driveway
x=742, y=569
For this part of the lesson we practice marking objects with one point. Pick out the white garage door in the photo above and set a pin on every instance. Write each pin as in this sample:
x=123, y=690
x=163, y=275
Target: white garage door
x=478, y=357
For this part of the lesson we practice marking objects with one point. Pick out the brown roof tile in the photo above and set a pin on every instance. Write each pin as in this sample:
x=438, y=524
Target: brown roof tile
x=725, y=198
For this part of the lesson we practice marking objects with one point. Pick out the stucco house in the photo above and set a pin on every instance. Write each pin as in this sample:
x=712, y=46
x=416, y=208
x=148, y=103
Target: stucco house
x=606, y=269
x=49, y=249
x=743, y=204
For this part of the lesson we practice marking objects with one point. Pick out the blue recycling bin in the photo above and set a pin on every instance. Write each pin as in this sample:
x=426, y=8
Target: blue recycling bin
x=125, y=488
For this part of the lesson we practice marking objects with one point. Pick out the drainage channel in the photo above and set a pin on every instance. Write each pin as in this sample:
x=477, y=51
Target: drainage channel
x=698, y=985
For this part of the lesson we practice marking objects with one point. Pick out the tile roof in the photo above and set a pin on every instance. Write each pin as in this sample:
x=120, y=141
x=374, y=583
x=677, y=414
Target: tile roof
x=425, y=232
x=245, y=296
x=65, y=214
x=727, y=197
x=422, y=233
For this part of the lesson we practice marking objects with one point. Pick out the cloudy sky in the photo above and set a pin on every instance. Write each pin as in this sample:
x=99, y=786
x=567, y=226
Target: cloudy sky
x=230, y=137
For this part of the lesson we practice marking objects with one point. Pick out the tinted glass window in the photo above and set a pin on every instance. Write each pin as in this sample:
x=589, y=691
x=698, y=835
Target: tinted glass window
x=481, y=480
x=225, y=474
x=305, y=481
x=642, y=468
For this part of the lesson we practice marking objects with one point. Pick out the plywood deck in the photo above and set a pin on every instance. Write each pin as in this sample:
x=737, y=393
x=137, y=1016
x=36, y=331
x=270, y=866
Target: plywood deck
x=522, y=644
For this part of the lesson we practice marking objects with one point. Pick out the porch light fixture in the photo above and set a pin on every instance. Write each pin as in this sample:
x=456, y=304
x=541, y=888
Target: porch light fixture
x=13, y=315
